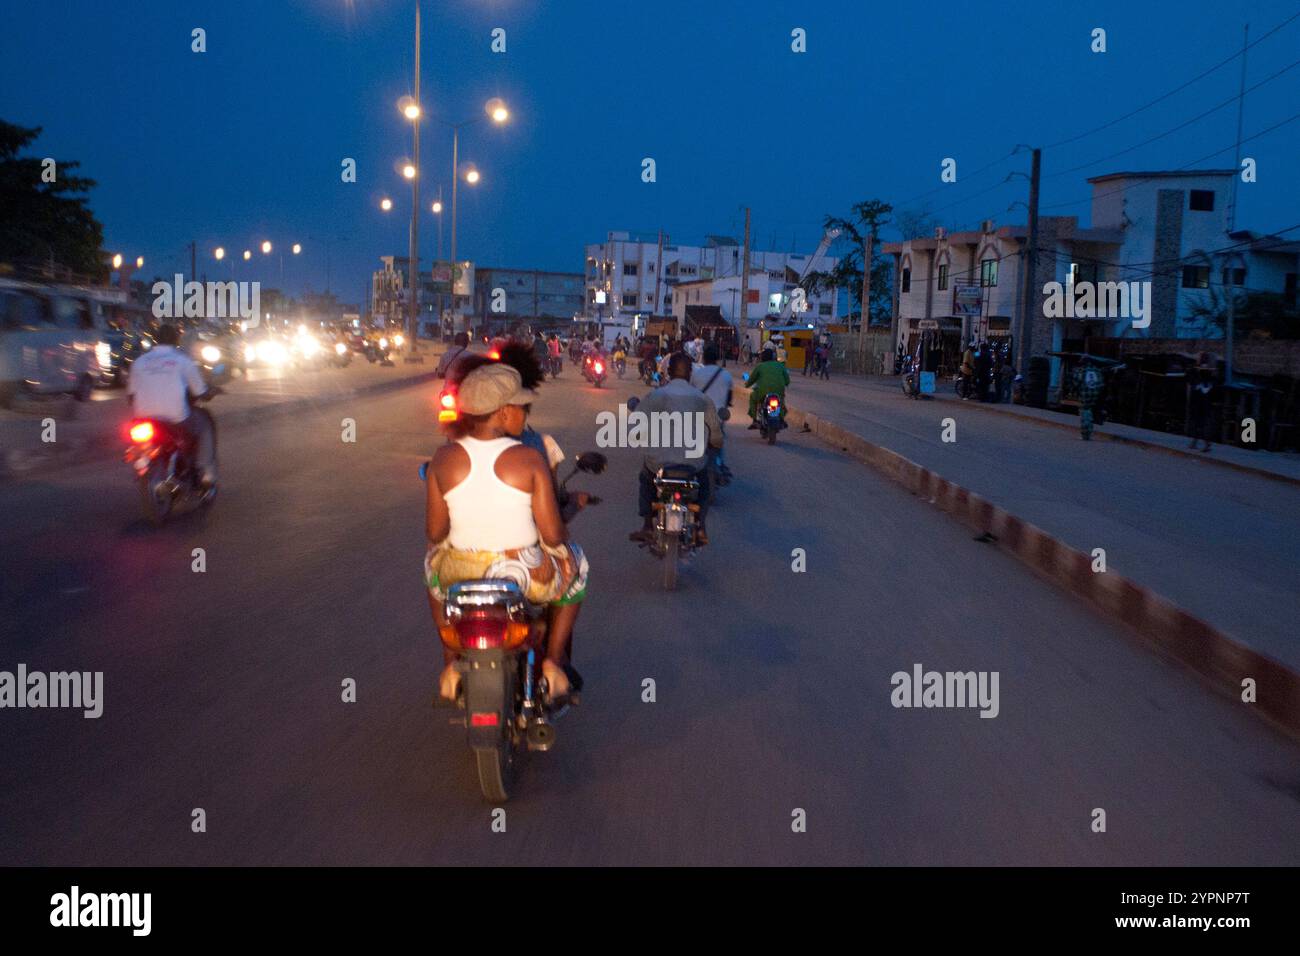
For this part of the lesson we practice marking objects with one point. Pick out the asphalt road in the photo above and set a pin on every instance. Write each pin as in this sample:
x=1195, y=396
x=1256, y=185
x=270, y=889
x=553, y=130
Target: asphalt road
x=222, y=690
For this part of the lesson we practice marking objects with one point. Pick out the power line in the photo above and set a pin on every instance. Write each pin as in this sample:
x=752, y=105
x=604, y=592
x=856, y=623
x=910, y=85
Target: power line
x=1214, y=109
x=1144, y=179
x=1177, y=89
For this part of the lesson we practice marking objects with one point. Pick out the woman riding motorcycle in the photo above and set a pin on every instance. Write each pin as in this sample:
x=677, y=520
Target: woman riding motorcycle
x=492, y=513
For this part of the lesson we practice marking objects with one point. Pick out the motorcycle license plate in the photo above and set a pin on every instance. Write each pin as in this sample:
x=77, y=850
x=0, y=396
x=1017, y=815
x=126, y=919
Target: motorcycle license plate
x=672, y=520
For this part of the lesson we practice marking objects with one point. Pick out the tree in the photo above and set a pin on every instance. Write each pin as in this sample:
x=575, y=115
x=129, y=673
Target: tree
x=861, y=231
x=916, y=223
x=46, y=222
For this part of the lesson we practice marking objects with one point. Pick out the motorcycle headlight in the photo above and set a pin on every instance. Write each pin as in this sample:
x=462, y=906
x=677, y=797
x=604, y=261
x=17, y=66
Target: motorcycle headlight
x=250, y=354
x=104, y=355
x=340, y=348
x=398, y=341
x=210, y=354
x=383, y=343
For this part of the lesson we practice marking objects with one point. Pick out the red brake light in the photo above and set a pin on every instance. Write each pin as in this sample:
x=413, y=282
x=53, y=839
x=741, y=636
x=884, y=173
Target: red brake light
x=494, y=355
x=677, y=496
x=142, y=432
x=485, y=720
x=481, y=630
x=773, y=403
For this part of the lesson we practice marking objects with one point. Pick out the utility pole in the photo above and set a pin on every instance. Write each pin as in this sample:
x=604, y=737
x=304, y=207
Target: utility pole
x=744, y=283
x=868, y=245
x=193, y=265
x=659, y=271
x=1025, y=332
x=1232, y=218
x=413, y=333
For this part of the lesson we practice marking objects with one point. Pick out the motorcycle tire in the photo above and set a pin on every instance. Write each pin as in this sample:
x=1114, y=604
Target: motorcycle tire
x=155, y=507
x=771, y=436
x=671, y=548
x=496, y=770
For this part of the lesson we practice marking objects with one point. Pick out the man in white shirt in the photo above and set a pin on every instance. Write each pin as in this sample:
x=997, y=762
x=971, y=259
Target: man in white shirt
x=163, y=382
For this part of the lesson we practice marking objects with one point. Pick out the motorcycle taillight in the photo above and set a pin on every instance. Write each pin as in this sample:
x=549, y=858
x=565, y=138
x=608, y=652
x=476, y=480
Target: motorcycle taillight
x=482, y=629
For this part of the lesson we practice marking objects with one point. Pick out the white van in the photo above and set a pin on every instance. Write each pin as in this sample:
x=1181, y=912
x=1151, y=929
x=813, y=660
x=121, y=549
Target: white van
x=51, y=337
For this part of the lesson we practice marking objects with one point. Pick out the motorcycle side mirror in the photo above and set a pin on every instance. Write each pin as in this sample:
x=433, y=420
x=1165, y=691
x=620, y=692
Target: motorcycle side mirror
x=424, y=470
x=632, y=403
x=592, y=461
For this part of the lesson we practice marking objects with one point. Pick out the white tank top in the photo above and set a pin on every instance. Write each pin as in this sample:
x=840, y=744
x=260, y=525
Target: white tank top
x=486, y=513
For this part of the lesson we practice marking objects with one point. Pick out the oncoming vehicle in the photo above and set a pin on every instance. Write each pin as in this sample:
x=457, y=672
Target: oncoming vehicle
x=51, y=338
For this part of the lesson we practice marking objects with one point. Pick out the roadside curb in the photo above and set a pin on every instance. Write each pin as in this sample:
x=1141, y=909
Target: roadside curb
x=23, y=464
x=1219, y=659
x=1099, y=433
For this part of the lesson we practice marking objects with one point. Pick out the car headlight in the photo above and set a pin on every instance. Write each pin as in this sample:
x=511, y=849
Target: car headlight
x=210, y=354
x=250, y=354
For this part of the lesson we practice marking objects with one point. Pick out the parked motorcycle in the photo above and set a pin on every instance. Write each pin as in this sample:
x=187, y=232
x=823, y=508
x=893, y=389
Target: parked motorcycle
x=964, y=385
x=163, y=456
x=500, y=640
x=771, y=417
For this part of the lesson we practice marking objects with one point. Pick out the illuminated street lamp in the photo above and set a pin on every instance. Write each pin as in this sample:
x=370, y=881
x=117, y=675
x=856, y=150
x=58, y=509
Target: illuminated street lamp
x=297, y=248
x=117, y=261
x=220, y=253
x=494, y=109
x=266, y=247
x=385, y=204
x=139, y=262
x=247, y=255
x=471, y=176
x=408, y=171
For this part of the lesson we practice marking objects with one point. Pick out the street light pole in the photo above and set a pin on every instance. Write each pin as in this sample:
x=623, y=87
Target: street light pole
x=455, y=178
x=414, y=273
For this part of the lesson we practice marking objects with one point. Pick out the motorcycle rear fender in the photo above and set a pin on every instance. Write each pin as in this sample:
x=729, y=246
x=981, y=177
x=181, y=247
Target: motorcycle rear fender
x=489, y=679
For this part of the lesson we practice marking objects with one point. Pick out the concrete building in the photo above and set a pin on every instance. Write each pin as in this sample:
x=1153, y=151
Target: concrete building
x=388, y=286
x=768, y=295
x=1159, y=242
x=635, y=277
x=527, y=295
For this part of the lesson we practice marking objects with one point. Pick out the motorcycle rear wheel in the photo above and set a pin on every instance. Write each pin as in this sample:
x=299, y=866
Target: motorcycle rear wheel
x=771, y=436
x=671, y=548
x=156, y=506
x=496, y=771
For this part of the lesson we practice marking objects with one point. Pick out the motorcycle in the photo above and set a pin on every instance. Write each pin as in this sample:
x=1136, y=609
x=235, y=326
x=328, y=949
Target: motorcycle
x=379, y=350
x=620, y=365
x=964, y=385
x=771, y=418
x=554, y=365
x=500, y=639
x=593, y=370
x=340, y=355
x=676, y=517
x=163, y=457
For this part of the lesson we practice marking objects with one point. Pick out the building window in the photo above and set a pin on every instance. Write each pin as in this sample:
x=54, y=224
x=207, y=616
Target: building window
x=1237, y=276
x=629, y=268
x=1196, y=277
x=824, y=308
x=907, y=280
x=649, y=298
x=989, y=273
x=943, y=277
x=1201, y=200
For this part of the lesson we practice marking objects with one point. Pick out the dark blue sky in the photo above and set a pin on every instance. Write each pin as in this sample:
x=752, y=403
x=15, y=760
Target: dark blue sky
x=245, y=141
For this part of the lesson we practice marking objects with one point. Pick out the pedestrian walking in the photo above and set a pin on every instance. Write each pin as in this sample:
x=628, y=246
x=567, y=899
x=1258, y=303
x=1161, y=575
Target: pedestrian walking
x=1200, y=402
x=1090, y=382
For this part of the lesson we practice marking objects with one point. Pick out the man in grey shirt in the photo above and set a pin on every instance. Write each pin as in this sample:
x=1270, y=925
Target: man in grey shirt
x=679, y=395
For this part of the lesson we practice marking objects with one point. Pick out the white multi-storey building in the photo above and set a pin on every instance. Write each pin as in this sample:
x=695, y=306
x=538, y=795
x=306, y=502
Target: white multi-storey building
x=636, y=278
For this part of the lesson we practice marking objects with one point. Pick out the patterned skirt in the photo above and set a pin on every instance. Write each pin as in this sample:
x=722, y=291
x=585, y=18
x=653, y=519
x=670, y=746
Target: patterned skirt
x=545, y=574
